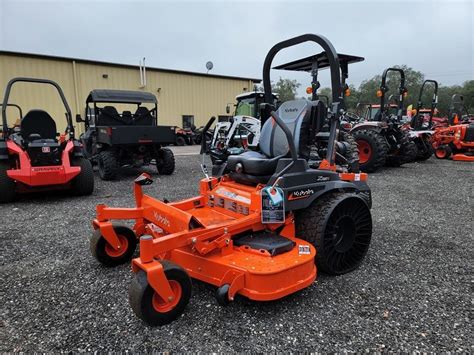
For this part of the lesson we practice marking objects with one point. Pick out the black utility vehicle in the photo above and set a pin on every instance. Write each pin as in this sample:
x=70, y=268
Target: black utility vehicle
x=114, y=139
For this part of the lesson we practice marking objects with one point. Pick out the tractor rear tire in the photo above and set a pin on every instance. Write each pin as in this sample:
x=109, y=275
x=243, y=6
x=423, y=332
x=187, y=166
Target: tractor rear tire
x=149, y=306
x=165, y=162
x=372, y=148
x=409, y=149
x=7, y=185
x=108, y=165
x=352, y=152
x=407, y=153
x=83, y=184
x=105, y=254
x=339, y=226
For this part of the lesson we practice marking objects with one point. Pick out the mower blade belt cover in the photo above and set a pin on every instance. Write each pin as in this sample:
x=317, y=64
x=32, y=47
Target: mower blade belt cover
x=273, y=207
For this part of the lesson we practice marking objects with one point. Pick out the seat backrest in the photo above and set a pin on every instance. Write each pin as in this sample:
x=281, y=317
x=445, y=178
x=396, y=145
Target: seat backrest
x=109, y=116
x=38, y=122
x=127, y=117
x=143, y=117
x=296, y=114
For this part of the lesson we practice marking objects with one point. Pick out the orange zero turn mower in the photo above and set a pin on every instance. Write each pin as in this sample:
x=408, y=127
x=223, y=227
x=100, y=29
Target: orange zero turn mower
x=259, y=231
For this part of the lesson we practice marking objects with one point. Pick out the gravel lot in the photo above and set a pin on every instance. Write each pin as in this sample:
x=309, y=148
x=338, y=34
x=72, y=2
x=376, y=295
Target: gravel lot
x=413, y=292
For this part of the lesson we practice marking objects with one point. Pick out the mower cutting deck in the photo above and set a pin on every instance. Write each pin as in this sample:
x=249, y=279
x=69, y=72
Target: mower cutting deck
x=257, y=231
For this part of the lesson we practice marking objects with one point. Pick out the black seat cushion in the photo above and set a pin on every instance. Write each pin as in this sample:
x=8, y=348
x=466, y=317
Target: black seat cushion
x=143, y=117
x=38, y=122
x=109, y=116
x=253, y=163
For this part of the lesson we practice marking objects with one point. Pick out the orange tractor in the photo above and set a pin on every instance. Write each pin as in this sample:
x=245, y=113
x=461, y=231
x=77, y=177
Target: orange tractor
x=259, y=230
x=457, y=140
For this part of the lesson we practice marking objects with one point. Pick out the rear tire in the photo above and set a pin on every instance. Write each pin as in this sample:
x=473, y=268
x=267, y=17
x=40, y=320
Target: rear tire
x=108, y=165
x=106, y=255
x=339, y=226
x=146, y=303
x=352, y=152
x=407, y=152
x=7, y=185
x=425, y=149
x=180, y=141
x=83, y=184
x=372, y=148
x=165, y=163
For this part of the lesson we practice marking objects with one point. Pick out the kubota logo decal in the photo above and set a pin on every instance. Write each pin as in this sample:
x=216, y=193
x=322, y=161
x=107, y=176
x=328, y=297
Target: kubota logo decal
x=299, y=194
x=161, y=219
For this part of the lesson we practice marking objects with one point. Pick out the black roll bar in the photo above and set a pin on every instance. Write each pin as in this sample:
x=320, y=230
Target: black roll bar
x=69, y=129
x=417, y=122
x=337, y=88
x=401, y=91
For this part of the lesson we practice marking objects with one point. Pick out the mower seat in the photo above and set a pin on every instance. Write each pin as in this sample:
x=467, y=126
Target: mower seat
x=259, y=166
x=38, y=125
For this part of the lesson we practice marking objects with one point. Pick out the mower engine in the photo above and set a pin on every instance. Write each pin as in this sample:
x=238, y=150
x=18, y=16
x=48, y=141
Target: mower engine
x=44, y=154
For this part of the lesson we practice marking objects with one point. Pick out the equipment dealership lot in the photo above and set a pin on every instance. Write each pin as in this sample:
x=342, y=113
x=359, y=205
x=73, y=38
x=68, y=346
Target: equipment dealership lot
x=412, y=292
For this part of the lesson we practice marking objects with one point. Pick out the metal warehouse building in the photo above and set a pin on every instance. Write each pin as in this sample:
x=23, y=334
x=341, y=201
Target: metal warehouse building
x=182, y=96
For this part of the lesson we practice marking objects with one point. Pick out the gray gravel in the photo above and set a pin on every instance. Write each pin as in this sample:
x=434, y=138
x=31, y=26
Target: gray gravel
x=413, y=292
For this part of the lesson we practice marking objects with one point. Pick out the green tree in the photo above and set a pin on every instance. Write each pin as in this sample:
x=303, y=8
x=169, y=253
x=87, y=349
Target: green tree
x=286, y=89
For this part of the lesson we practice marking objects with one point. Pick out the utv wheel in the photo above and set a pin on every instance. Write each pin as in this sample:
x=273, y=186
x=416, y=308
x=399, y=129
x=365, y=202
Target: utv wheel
x=108, y=165
x=340, y=228
x=180, y=141
x=83, y=184
x=107, y=255
x=443, y=152
x=7, y=185
x=352, y=152
x=165, y=163
x=149, y=306
x=373, y=149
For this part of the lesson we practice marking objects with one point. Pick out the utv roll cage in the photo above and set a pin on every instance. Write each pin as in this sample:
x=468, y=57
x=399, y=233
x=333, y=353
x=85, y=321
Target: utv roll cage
x=120, y=97
x=5, y=104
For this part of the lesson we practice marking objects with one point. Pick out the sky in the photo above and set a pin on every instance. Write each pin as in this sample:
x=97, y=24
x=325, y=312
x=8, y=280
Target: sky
x=434, y=37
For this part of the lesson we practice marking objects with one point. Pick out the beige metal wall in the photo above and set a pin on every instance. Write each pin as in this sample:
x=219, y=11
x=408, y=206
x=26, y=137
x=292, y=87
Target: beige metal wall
x=178, y=93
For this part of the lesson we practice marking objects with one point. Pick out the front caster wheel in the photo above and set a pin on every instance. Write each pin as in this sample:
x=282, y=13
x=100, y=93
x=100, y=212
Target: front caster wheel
x=222, y=295
x=109, y=256
x=149, y=306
